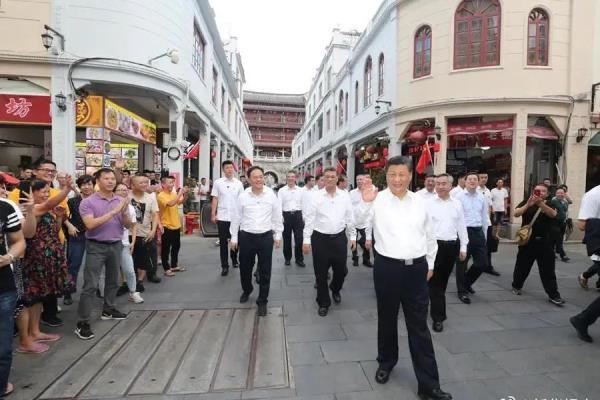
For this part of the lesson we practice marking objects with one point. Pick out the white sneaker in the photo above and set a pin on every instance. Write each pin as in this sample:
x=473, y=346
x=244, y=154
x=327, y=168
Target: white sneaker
x=136, y=298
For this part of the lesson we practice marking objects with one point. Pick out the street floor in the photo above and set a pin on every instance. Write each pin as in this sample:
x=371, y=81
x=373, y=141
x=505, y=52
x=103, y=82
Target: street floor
x=192, y=339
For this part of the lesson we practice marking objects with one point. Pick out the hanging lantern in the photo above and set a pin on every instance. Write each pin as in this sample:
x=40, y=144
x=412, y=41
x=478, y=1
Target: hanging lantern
x=371, y=149
x=386, y=152
x=417, y=137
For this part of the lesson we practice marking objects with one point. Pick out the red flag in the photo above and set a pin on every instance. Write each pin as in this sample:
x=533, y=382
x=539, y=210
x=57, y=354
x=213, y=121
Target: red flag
x=424, y=160
x=194, y=152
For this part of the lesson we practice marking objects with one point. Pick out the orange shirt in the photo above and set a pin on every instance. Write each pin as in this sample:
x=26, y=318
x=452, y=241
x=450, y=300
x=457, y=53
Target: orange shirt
x=169, y=215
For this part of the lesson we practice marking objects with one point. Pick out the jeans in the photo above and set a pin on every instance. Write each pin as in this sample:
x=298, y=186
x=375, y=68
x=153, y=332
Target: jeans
x=75, y=252
x=8, y=302
x=127, y=268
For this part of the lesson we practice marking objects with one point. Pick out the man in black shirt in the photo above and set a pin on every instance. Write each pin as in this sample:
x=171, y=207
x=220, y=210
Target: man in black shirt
x=12, y=246
x=540, y=245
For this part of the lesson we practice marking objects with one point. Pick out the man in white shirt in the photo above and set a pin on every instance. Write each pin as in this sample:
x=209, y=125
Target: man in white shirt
x=448, y=224
x=290, y=197
x=404, y=260
x=343, y=182
x=491, y=239
x=499, y=203
x=203, y=190
x=224, y=197
x=460, y=186
x=307, y=191
x=428, y=192
x=589, y=213
x=328, y=217
x=256, y=224
x=476, y=210
x=363, y=182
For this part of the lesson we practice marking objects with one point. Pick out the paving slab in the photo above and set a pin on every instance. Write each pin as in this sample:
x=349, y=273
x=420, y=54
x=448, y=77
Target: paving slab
x=350, y=350
x=330, y=378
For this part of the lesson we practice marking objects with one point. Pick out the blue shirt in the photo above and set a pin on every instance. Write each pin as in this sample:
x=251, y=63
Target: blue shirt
x=475, y=208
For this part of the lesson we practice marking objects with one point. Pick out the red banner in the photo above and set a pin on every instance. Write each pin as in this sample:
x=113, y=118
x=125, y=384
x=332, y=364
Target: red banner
x=26, y=110
x=480, y=127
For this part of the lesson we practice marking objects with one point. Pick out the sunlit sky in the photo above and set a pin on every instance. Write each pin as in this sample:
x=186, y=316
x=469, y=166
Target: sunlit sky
x=282, y=42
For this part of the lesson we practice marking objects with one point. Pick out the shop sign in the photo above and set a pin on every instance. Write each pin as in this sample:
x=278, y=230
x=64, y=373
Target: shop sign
x=89, y=111
x=480, y=127
x=375, y=164
x=87, y=162
x=26, y=110
x=120, y=120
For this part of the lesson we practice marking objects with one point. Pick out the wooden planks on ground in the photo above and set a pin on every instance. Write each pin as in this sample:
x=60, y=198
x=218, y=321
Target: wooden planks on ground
x=74, y=380
x=271, y=365
x=118, y=375
x=198, y=365
x=155, y=377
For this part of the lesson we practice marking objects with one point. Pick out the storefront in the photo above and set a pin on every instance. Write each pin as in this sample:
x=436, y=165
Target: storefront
x=592, y=178
x=370, y=158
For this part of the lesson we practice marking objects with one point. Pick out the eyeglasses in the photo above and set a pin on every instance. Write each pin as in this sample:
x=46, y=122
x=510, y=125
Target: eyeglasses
x=48, y=171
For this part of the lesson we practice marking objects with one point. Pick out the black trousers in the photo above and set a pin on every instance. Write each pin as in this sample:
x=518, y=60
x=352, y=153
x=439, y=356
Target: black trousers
x=224, y=236
x=560, y=238
x=171, y=243
x=592, y=312
x=540, y=250
x=292, y=223
x=398, y=284
x=444, y=263
x=254, y=246
x=329, y=251
x=492, y=246
x=362, y=238
x=593, y=270
x=477, y=248
x=50, y=307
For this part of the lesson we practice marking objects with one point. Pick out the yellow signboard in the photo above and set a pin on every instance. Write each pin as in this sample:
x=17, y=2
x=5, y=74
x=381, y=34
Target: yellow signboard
x=90, y=111
x=118, y=119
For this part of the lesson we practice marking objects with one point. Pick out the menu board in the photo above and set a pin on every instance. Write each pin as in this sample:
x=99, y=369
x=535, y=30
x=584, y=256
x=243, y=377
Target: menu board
x=87, y=162
x=118, y=119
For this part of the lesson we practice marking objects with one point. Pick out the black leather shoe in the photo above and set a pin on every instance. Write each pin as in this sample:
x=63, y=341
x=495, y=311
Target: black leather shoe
x=434, y=394
x=367, y=263
x=323, y=311
x=287, y=262
x=262, y=310
x=236, y=265
x=492, y=271
x=336, y=297
x=582, y=332
x=300, y=264
x=470, y=290
x=244, y=297
x=464, y=298
x=382, y=376
x=154, y=279
x=224, y=271
x=355, y=262
x=437, y=326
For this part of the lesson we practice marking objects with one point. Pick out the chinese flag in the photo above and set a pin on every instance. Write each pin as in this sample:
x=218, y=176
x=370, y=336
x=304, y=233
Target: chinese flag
x=424, y=160
x=194, y=152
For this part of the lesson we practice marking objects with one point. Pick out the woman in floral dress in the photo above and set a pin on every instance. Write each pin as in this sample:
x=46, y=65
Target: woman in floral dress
x=45, y=270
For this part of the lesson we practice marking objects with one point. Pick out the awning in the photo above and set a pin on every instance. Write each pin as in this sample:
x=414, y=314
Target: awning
x=541, y=132
x=595, y=141
x=505, y=126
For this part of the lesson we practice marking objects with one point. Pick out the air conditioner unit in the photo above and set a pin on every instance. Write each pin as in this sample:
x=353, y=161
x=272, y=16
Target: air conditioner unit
x=173, y=131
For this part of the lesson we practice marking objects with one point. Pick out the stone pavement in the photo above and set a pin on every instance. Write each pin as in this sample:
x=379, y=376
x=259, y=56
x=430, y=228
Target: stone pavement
x=499, y=346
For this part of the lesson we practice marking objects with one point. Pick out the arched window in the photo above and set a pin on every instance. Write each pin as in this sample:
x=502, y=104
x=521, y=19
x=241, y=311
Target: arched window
x=346, y=107
x=477, y=34
x=422, y=52
x=356, y=98
x=537, y=37
x=380, y=70
x=341, y=112
x=368, y=80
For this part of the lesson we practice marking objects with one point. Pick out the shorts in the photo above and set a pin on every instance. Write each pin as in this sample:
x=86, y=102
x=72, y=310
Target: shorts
x=498, y=216
x=142, y=254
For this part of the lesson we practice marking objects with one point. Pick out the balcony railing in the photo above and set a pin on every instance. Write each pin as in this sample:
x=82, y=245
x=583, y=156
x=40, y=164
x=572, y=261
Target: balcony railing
x=258, y=158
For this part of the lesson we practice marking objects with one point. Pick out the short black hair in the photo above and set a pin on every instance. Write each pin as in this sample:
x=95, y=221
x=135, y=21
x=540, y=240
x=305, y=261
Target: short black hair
x=254, y=168
x=307, y=178
x=291, y=171
x=38, y=184
x=330, y=169
x=164, y=178
x=126, y=171
x=472, y=173
x=103, y=171
x=83, y=179
x=342, y=178
x=226, y=162
x=318, y=177
x=430, y=176
x=24, y=167
x=400, y=160
x=41, y=162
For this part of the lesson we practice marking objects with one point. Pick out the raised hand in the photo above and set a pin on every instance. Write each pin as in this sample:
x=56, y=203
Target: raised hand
x=369, y=195
x=119, y=163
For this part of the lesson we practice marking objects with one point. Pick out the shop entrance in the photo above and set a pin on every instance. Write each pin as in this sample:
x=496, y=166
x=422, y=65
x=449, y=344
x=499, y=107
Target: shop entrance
x=21, y=146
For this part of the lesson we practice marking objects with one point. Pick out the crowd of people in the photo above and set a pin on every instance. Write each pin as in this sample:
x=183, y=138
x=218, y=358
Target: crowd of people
x=120, y=227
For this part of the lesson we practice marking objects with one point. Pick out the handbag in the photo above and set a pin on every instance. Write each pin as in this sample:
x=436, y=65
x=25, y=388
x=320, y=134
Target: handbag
x=524, y=232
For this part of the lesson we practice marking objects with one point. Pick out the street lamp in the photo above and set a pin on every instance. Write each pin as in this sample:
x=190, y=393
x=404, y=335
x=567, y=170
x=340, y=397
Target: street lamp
x=581, y=133
x=61, y=101
x=378, y=107
x=173, y=54
x=47, y=38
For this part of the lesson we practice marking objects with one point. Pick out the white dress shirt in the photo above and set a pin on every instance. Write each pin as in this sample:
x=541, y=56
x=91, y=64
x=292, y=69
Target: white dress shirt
x=256, y=214
x=426, y=194
x=401, y=227
x=498, y=197
x=356, y=199
x=227, y=192
x=329, y=214
x=291, y=199
x=306, y=198
x=590, y=208
x=448, y=220
x=476, y=209
x=487, y=195
x=456, y=190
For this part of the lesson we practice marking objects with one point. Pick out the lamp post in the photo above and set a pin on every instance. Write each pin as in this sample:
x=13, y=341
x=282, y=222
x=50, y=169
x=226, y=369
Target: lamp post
x=581, y=133
x=378, y=107
x=173, y=55
x=47, y=38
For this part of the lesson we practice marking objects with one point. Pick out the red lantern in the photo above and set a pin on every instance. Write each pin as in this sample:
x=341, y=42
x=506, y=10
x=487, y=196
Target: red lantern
x=213, y=154
x=417, y=136
x=386, y=152
x=371, y=149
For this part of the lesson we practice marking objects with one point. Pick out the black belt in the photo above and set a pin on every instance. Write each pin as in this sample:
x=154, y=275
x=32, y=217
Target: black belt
x=292, y=212
x=475, y=228
x=105, y=242
x=257, y=234
x=448, y=241
x=410, y=261
x=331, y=235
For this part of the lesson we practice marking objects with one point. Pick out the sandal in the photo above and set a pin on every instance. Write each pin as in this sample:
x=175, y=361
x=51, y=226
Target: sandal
x=49, y=337
x=9, y=389
x=169, y=273
x=36, y=348
x=178, y=269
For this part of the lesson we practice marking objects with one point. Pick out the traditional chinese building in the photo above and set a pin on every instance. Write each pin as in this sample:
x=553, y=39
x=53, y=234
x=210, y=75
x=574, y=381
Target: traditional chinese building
x=274, y=120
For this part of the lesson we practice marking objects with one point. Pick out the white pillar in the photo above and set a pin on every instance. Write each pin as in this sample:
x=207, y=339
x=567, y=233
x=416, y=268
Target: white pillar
x=63, y=122
x=519, y=152
x=204, y=156
x=217, y=161
x=441, y=156
x=176, y=166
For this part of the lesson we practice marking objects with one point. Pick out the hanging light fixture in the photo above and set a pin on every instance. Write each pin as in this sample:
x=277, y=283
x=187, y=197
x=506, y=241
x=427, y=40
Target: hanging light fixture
x=61, y=101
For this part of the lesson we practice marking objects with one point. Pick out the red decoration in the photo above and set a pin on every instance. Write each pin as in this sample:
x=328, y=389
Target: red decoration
x=417, y=136
x=386, y=152
x=11, y=180
x=20, y=109
x=213, y=154
x=358, y=153
x=193, y=153
x=375, y=164
x=424, y=160
x=371, y=149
